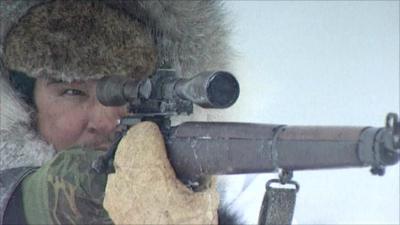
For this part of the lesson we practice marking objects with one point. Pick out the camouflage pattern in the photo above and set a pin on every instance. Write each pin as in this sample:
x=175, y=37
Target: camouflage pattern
x=66, y=191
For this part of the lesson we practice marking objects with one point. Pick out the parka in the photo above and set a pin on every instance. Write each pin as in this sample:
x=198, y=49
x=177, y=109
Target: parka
x=190, y=37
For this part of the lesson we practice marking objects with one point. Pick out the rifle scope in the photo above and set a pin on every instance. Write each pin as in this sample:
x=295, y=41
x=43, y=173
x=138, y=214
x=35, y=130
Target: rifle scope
x=213, y=89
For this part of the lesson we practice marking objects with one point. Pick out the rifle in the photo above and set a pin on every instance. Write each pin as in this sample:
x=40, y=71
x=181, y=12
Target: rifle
x=199, y=149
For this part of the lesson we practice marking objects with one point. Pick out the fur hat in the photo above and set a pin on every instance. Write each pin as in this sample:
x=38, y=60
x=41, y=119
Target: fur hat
x=72, y=39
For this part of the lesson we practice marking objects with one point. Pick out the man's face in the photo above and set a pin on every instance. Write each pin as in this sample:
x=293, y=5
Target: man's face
x=69, y=115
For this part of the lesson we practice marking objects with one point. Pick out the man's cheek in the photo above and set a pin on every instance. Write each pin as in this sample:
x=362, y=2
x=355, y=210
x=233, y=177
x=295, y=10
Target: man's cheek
x=67, y=130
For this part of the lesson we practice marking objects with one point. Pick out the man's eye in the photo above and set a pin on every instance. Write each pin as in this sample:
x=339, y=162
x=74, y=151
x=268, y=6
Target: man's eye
x=73, y=92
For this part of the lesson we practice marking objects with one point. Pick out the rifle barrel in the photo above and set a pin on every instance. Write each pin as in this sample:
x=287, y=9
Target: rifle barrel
x=196, y=149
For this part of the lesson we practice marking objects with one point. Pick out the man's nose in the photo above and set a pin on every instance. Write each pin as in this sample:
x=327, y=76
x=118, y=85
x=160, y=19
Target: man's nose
x=102, y=119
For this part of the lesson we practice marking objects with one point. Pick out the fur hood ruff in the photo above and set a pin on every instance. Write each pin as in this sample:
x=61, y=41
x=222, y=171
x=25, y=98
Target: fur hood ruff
x=189, y=35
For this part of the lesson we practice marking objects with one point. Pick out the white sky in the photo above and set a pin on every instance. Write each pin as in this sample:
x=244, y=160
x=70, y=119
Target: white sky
x=320, y=63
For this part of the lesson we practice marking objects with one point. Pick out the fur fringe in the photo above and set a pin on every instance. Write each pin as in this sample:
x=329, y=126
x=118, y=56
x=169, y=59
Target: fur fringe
x=20, y=145
x=226, y=217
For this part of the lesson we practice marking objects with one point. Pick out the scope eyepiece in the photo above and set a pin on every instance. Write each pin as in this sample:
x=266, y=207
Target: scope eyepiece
x=117, y=90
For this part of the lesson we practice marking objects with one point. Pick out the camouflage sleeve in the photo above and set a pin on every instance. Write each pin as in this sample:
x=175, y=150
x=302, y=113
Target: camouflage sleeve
x=66, y=191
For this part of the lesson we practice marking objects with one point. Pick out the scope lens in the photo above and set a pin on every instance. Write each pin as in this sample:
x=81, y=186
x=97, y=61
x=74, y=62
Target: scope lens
x=223, y=89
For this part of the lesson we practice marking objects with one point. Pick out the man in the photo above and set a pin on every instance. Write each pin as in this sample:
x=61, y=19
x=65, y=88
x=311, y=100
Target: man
x=52, y=126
